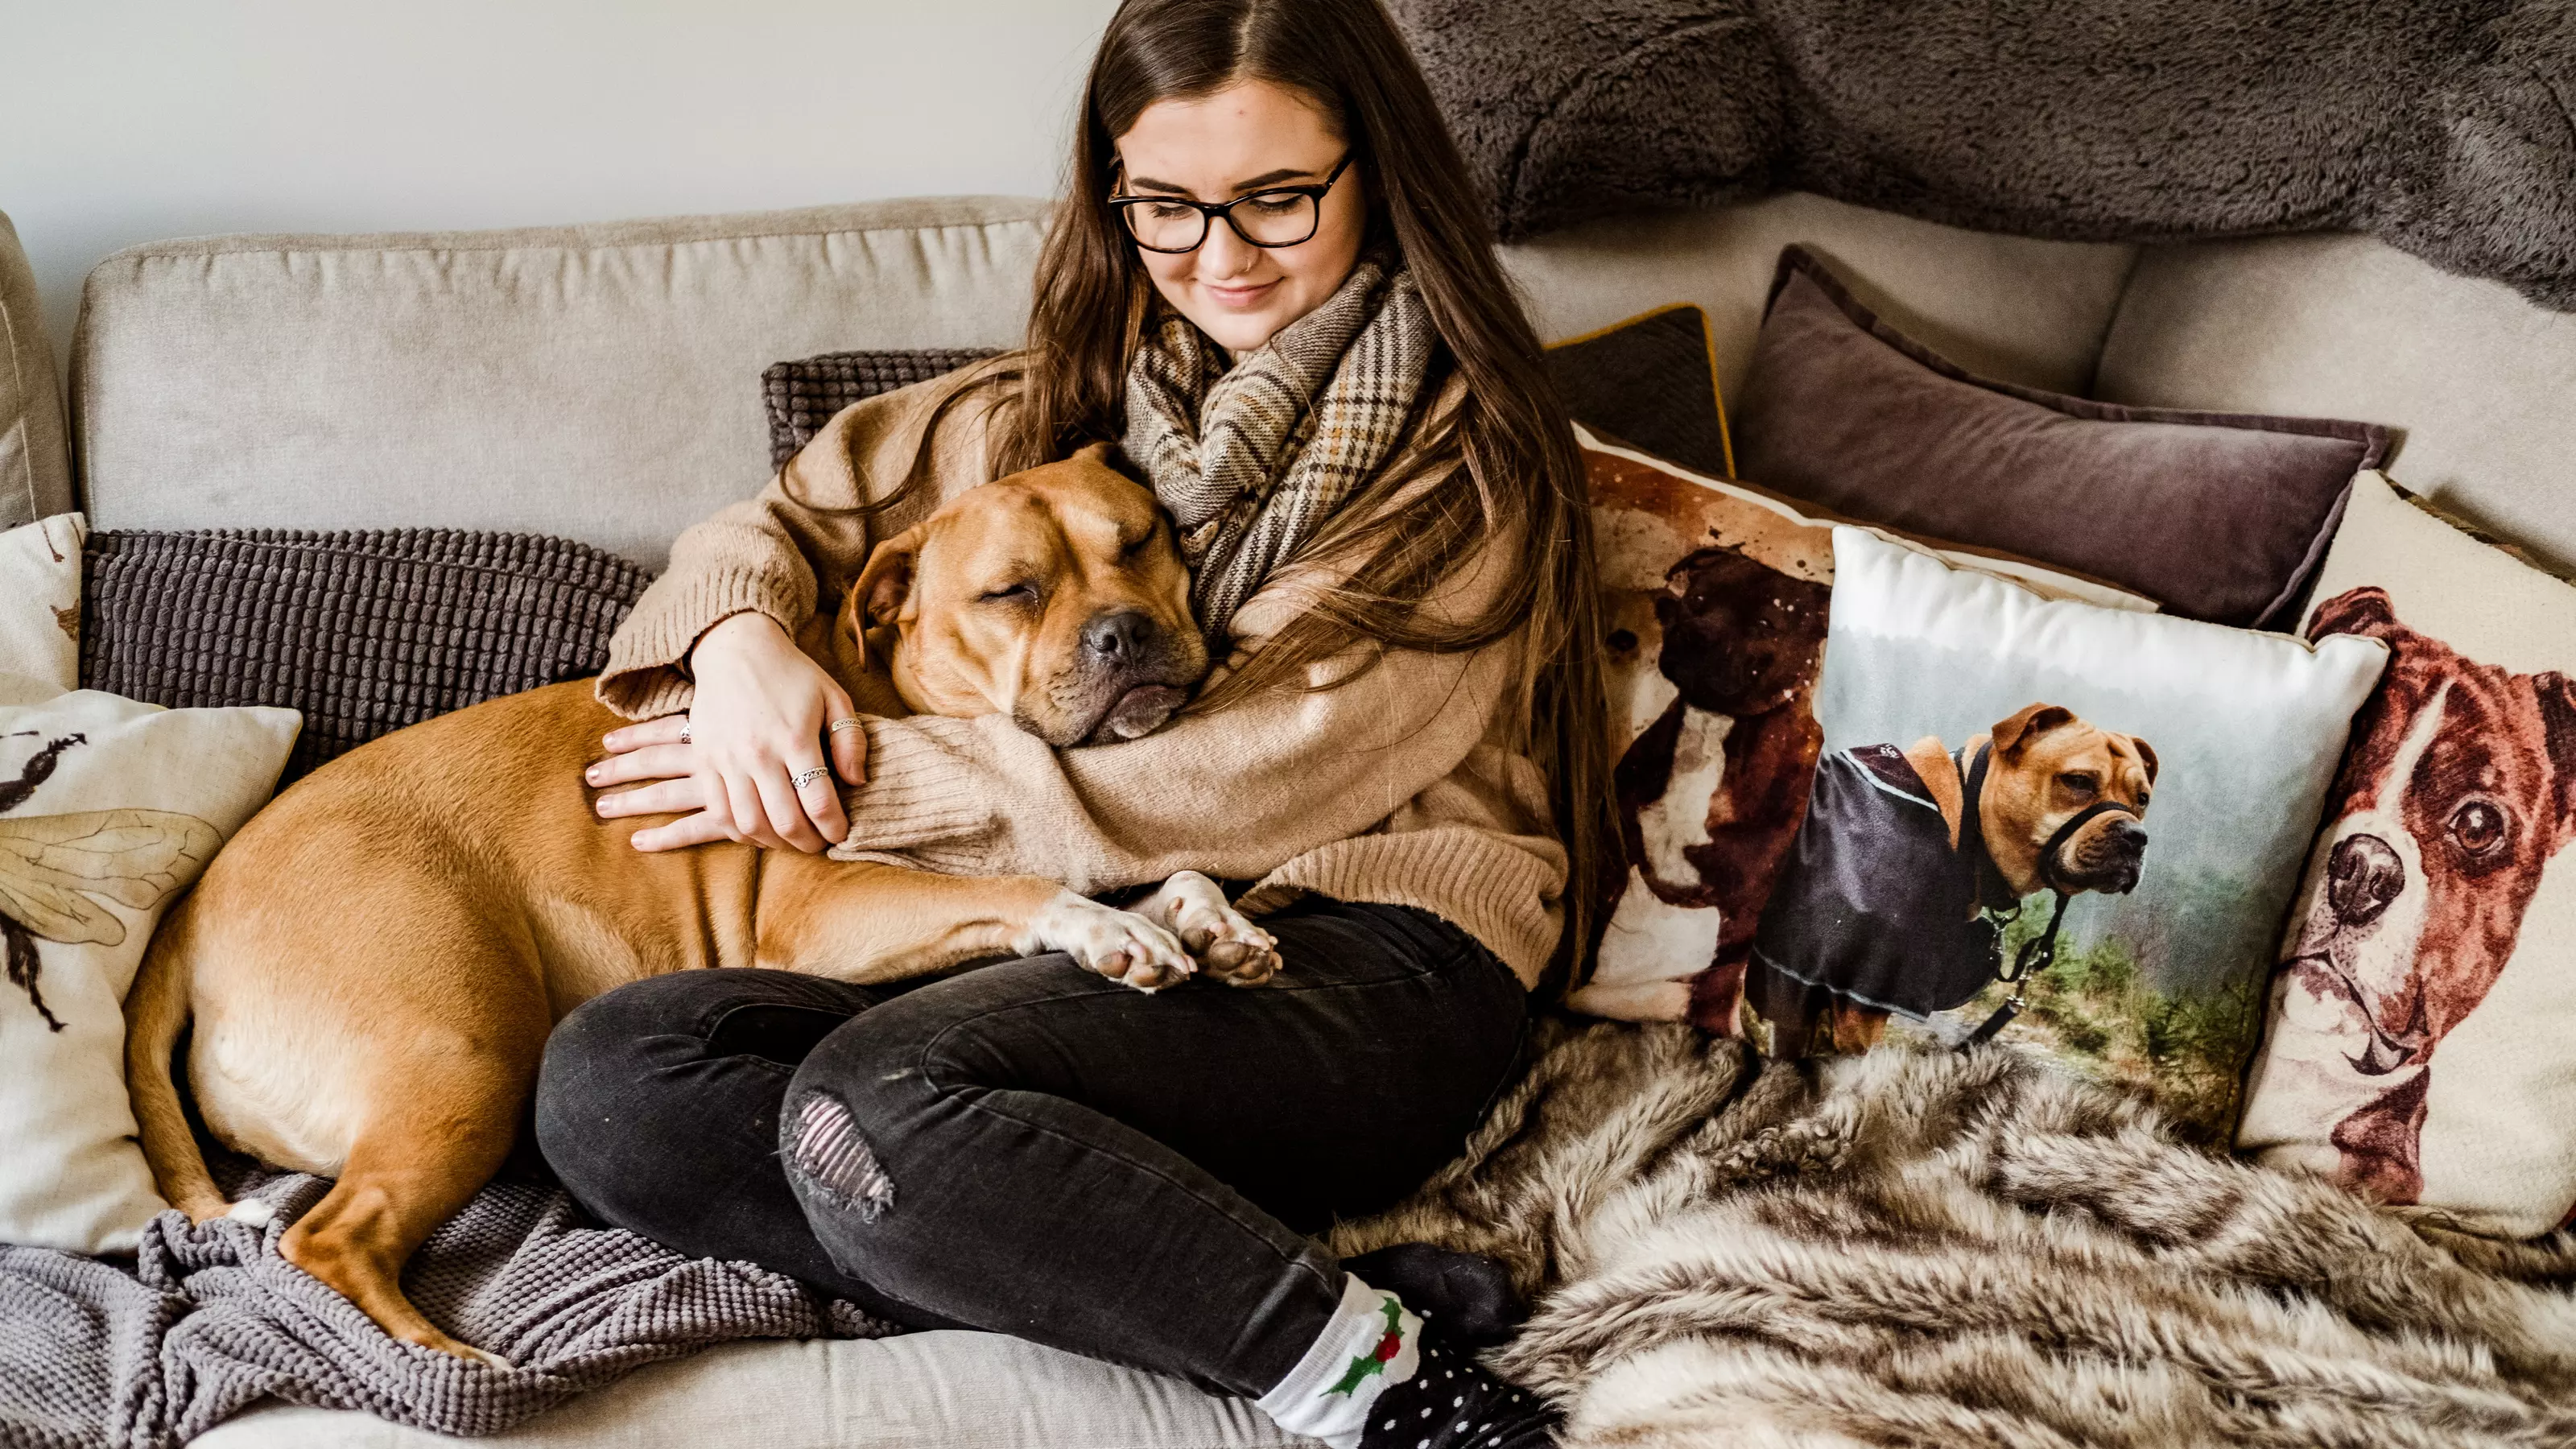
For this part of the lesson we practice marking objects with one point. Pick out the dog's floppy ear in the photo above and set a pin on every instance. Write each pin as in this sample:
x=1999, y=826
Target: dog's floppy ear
x=2365, y=611
x=2027, y=724
x=2147, y=754
x=2558, y=727
x=886, y=583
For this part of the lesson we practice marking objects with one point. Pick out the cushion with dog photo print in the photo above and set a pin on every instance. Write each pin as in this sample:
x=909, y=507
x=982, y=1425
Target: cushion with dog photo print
x=40, y=601
x=2421, y=1044
x=1715, y=601
x=109, y=809
x=2109, y=806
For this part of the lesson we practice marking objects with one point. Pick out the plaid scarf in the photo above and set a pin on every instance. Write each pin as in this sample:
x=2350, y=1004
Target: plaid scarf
x=1251, y=461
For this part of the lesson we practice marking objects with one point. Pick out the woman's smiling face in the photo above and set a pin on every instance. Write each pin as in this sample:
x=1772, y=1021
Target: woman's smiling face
x=1233, y=142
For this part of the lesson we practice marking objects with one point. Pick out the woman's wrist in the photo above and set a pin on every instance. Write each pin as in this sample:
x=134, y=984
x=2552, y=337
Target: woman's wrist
x=730, y=638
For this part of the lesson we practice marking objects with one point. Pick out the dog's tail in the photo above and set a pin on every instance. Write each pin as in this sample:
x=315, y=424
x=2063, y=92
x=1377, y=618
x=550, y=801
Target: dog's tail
x=156, y=1010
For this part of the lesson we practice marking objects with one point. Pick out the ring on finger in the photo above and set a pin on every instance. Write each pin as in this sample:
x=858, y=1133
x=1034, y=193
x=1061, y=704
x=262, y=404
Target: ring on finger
x=851, y=723
x=685, y=724
x=803, y=778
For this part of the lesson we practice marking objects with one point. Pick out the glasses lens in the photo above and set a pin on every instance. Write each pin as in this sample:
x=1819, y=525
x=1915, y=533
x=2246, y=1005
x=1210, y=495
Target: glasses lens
x=1165, y=226
x=1275, y=218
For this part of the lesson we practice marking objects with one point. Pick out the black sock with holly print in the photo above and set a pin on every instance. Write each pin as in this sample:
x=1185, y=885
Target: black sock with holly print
x=1451, y=1402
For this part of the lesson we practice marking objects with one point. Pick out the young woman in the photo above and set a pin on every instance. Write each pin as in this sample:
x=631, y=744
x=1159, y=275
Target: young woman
x=1272, y=284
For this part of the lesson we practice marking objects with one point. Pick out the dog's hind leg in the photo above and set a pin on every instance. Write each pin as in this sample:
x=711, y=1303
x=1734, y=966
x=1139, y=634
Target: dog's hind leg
x=437, y=1105
x=418, y=1160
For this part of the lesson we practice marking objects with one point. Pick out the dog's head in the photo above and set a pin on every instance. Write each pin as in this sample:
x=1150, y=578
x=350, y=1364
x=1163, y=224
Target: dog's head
x=2459, y=784
x=1056, y=596
x=1740, y=638
x=2048, y=766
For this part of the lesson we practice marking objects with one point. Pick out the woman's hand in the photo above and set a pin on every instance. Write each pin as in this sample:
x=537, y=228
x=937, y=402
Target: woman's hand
x=729, y=768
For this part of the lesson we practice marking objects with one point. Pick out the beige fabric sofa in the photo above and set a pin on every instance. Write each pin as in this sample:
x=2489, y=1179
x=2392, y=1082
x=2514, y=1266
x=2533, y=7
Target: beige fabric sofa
x=602, y=382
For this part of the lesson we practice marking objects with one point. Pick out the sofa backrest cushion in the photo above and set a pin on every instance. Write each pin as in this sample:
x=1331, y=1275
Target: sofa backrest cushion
x=589, y=381
x=2480, y=383
x=594, y=382
x=35, y=467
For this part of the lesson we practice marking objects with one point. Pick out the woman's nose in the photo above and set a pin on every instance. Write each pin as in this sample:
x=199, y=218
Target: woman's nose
x=1224, y=254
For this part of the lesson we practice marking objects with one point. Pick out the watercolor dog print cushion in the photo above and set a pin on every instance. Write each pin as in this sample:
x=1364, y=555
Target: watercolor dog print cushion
x=1989, y=754
x=1715, y=597
x=2421, y=1046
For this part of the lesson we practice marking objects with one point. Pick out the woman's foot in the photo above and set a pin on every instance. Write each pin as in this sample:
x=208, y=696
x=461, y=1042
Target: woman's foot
x=1451, y=1402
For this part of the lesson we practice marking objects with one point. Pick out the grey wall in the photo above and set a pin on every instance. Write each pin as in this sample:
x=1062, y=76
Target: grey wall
x=124, y=121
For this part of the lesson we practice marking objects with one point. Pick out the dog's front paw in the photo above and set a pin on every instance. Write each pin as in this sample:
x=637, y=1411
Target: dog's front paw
x=1121, y=945
x=1225, y=943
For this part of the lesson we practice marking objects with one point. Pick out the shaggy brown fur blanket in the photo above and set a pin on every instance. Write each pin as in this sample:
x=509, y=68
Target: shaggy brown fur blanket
x=1923, y=1248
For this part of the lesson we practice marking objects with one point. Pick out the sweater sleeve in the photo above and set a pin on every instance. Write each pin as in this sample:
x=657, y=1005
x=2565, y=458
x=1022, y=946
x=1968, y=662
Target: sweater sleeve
x=794, y=546
x=1235, y=792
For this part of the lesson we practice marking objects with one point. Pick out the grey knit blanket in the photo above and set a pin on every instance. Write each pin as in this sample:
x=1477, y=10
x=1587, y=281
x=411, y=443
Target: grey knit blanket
x=1923, y=1248
x=210, y=1320
x=2444, y=126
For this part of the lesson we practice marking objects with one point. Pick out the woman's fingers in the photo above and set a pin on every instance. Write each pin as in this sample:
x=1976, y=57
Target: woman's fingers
x=847, y=740
x=642, y=762
x=662, y=797
x=821, y=798
x=664, y=730
x=786, y=810
x=703, y=828
x=750, y=816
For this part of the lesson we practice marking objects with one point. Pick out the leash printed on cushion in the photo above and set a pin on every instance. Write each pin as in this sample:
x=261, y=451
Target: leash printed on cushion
x=1251, y=459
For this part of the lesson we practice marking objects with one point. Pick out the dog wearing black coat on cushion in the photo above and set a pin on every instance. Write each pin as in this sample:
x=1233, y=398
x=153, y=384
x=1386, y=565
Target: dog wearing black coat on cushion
x=1882, y=906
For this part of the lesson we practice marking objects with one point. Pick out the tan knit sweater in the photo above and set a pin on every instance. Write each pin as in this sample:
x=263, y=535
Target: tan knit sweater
x=1401, y=787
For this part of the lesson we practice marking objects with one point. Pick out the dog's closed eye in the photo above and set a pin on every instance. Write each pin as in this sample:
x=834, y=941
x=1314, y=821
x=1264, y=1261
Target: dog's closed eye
x=2082, y=782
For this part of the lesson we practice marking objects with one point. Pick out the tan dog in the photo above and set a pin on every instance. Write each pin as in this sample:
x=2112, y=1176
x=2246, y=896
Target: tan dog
x=2047, y=767
x=373, y=964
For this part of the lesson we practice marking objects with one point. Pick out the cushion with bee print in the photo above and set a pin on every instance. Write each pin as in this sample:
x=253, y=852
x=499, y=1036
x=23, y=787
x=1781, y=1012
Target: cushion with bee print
x=109, y=809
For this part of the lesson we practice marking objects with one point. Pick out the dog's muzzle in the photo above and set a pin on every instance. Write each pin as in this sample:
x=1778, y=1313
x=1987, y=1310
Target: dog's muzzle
x=2114, y=860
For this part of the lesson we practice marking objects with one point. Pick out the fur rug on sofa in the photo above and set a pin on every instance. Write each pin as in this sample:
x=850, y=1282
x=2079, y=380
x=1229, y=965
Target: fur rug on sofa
x=1925, y=1248
x=2447, y=127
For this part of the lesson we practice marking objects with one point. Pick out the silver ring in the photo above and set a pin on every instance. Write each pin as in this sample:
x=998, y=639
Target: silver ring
x=686, y=724
x=804, y=778
x=838, y=725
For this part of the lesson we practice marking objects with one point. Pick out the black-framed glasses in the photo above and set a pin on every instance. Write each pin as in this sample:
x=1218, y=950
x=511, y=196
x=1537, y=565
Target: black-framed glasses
x=1274, y=216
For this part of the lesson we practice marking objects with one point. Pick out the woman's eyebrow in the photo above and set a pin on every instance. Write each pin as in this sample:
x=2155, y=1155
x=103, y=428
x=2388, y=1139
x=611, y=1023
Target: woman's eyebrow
x=1266, y=178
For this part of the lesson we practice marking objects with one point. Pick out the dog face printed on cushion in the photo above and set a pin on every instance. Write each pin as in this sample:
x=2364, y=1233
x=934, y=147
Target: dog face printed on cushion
x=2458, y=787
x=1056, y=596
x=2048, y=766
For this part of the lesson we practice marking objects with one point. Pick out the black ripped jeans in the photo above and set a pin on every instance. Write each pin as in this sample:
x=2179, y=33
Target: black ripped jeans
x=1031, y=1149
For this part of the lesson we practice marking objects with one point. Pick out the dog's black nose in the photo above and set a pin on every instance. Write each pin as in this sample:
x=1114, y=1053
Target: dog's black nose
x=2126, y=835
x=1119, y=636
x=2362, y=877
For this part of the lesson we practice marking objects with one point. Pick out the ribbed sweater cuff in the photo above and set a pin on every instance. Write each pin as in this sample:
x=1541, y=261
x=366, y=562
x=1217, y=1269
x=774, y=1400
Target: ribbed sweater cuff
x=919, y=797
x=1491, y=886
x=645, y=676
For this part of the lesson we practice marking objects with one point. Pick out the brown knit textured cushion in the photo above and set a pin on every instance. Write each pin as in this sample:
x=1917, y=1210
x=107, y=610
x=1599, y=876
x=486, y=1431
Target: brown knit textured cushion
x=803, y=394
x=363, y=632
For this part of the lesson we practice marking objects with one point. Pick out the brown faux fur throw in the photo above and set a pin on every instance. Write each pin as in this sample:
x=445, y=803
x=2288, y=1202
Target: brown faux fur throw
x=1924, y=1248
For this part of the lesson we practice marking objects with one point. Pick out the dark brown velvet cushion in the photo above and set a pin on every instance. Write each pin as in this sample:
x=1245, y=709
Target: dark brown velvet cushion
x=1650, y=382
x=2218, y=516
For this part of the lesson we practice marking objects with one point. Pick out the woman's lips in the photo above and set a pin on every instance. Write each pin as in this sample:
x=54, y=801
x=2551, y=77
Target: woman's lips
x=1239, y=298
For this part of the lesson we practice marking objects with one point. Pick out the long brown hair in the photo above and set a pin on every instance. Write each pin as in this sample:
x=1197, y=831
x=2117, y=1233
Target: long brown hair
x=1509, y=435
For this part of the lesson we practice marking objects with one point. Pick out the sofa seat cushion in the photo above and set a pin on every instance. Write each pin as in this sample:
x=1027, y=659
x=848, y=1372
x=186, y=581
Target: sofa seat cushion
x=943, y=1390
